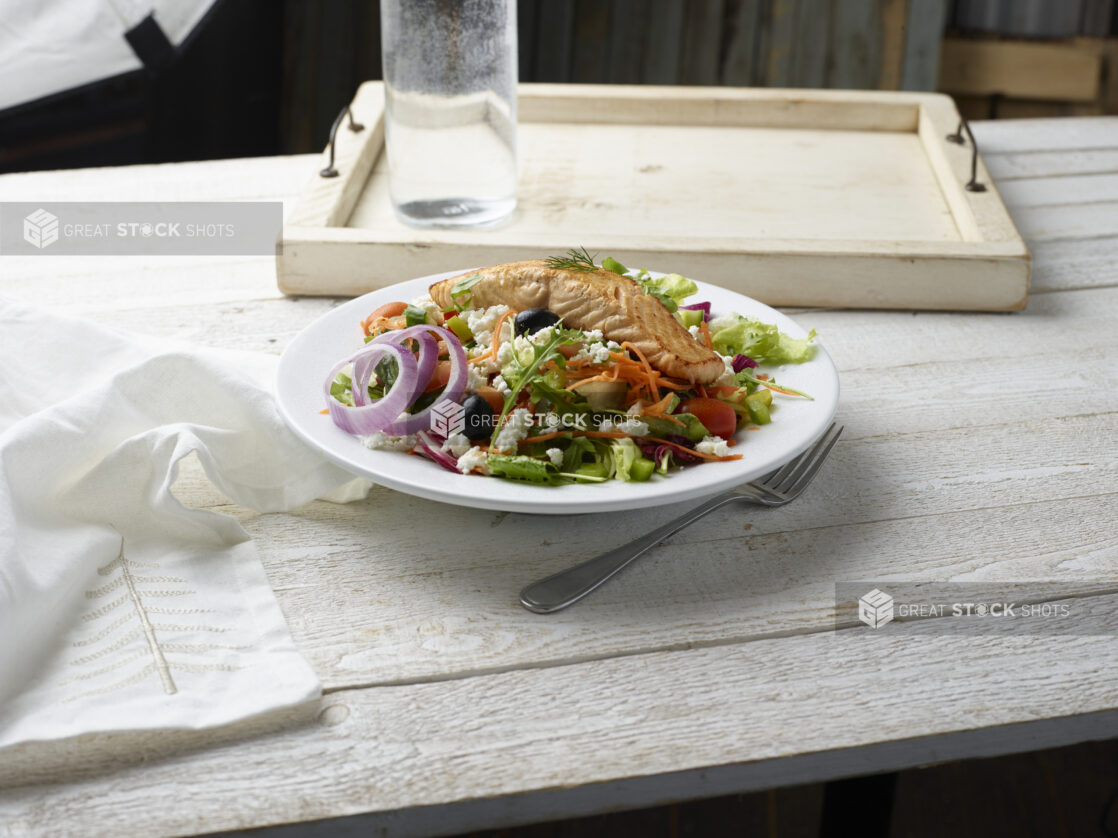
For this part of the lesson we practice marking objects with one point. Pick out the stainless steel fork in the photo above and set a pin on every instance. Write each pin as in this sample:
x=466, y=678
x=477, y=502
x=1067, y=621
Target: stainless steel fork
x=775, y=489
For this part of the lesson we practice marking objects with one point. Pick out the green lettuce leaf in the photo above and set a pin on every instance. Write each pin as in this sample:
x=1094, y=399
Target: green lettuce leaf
x=674, y=286
x=762, y=342
x=625, y=453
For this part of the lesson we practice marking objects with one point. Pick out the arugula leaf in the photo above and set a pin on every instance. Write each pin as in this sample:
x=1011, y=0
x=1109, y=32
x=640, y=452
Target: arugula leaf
x=527, y=373
x=521, y=467
x=562, y=401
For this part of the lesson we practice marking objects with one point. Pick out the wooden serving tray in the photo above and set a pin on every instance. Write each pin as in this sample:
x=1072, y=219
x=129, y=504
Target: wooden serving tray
x=794, y=197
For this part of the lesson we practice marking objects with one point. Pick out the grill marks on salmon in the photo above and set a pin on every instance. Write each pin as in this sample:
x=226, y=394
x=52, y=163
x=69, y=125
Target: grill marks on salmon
x=588, y=300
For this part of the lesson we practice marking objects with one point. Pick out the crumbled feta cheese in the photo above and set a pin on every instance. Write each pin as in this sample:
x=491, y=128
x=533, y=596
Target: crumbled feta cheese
x=506, y=352
x=694, y=330
x=457, y=444
x=384, y=442
x=633, y=426
x=475, y=378
x=728, y=377
x=515, y=429
x=714, y=445
x=600, y=353
x=606, y=424
x=542, y=336
x=500, y=386
x=474, y=458
x=595, y=349
x=482, y=321
x=430, y=306
x=556, y=456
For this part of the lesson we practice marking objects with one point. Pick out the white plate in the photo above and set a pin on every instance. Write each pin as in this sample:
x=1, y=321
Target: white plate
x=796, y=422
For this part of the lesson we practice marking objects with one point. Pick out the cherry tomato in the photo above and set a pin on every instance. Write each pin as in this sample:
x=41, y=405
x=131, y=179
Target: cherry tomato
x=387, y=310
x=439, y=377
x=718, y=417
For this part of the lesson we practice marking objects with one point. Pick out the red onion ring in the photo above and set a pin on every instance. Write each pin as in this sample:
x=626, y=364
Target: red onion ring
x=368, y=418
x=388, y=414
x=428, y=354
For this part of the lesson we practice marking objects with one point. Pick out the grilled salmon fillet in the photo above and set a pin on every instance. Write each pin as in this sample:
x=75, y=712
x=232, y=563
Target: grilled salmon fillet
x=588, y=300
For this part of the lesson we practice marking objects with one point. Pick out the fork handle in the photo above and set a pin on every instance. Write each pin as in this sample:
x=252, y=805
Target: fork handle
x=569, y=586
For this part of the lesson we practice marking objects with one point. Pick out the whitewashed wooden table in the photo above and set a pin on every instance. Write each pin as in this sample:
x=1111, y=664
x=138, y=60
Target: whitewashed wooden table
x=977, y=447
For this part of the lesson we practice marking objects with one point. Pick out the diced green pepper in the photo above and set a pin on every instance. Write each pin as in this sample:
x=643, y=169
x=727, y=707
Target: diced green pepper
x=461, y=330
x=641, y=469
x=758, y=405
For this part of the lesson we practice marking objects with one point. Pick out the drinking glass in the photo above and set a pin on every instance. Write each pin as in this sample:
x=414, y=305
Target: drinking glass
x=450, y=73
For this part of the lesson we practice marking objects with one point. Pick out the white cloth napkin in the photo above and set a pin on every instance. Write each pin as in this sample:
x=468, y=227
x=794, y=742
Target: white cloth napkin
x=120, y=608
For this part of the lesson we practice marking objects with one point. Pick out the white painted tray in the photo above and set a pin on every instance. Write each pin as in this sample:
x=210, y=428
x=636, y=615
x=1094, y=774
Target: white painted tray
x=793, y=197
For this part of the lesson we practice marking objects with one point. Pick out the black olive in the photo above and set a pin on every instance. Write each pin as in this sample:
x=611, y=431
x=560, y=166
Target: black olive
x=478, y=417
x=531, y=320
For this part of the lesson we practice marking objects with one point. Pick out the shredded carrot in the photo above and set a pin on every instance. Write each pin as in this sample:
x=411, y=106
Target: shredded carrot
x=702, y=391
x=653, y=390
x=620, y=435
x=495, y=343
x=704, y=330
x=324, y=410
x=776, y=389
x=660, y=406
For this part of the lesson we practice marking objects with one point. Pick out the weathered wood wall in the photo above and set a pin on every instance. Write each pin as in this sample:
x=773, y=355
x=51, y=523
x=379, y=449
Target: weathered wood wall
x=876, y=44
x=885, y=44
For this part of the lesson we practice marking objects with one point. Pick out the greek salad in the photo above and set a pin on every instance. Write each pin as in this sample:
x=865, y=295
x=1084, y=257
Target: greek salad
x=520, y=395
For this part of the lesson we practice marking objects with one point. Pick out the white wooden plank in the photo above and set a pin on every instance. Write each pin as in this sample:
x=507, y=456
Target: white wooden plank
x=1074, y=264
x=1068, y=221
x=742, y=708
x=1034, y=164
x=241, y=179
x=1049, y=135
x=908, y=495
x=1059, y=191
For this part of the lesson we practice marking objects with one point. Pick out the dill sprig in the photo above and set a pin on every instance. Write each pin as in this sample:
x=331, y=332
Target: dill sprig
x=577, y=259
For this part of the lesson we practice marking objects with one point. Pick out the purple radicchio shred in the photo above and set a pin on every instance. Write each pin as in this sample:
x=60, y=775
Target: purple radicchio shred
x=658, y=453
x=704, y=307
x=740, y=362
x=682, y=453
x=433, y=450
